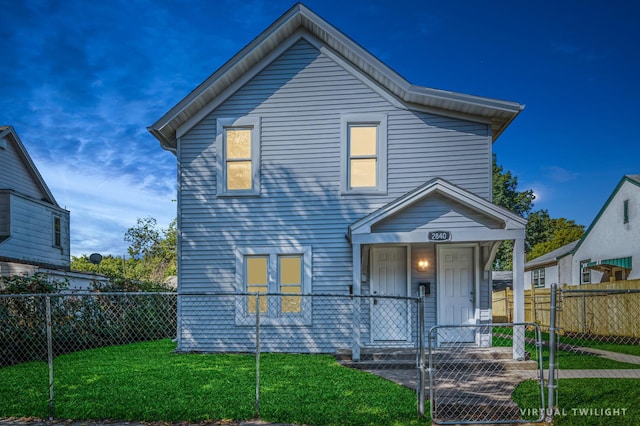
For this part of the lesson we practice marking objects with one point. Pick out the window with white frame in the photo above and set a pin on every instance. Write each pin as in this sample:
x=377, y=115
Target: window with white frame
x=281, y=276
x=537, y=277
x=364, y=153
x=238, y=156
x=585, y=272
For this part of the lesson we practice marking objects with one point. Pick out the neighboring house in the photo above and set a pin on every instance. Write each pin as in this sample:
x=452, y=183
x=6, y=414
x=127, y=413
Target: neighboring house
x=307, y=166
x=609, y=250
x=502, y=280
x=34, y=229
x=551, y=268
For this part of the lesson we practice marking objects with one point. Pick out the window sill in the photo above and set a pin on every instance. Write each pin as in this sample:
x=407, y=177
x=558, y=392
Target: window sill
x=239, y=195
x=364, y=192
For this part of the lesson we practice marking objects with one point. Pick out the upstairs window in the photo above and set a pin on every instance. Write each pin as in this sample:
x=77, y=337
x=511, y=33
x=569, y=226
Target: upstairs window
x=363, y=156
x=57, y=232
x=625, y=211
x=364, y=153
x=238, y=160
x=238, y=153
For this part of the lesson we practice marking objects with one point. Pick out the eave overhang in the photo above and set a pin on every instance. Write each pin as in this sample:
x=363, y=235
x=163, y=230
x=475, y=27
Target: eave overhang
x=498, y=113
x=7, y=132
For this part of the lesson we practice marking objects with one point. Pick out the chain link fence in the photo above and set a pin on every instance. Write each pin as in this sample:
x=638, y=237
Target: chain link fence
x=601, y=324
x=594, y=337
x=474, y=370
x=60, y=350
x=225, y=354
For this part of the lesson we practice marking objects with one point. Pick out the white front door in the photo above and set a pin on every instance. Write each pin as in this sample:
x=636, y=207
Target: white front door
x=389, y=317
x=456, y=287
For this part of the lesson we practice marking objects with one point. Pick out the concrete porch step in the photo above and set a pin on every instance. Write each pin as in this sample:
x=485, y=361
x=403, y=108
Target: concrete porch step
x=469, y=359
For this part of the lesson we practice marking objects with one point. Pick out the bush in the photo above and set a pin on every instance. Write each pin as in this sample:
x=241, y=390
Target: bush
x=79, y=321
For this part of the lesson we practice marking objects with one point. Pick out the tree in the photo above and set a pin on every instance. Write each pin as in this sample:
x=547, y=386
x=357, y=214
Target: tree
x=543, y=233
x=153, y=250
x=559, y=232
x=111, y=266
x=506, y=194
x=152, y=254
x=143, y=238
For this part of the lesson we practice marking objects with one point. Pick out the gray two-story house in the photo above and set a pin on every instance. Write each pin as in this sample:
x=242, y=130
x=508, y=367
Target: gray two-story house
x=34, y=229
x=306, y=166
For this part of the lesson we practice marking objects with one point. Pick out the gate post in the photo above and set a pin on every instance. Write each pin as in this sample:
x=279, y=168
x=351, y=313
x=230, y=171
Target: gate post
x=49, y=327
x=257, y=404
x=421, y=346
x=552, y=355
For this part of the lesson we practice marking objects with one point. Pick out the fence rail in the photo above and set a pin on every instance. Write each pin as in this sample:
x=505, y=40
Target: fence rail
x=606, y=309
x=37, y=330
x=88, y=340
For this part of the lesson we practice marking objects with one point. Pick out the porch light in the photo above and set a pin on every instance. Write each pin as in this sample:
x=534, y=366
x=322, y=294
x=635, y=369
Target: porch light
x=423, y=265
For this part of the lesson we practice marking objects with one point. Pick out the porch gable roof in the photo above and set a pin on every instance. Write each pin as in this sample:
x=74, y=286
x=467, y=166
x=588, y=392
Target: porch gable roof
x=509, y=220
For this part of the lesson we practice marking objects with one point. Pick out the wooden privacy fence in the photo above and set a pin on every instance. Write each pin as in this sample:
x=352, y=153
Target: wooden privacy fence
x=583, y=309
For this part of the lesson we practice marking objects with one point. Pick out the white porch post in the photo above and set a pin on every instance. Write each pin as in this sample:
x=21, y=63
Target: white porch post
x=518, y=298
x=357, y=274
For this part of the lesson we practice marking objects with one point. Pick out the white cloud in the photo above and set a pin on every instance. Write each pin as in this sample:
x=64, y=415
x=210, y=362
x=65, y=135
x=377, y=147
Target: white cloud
x=103, y=206
x=559, y=174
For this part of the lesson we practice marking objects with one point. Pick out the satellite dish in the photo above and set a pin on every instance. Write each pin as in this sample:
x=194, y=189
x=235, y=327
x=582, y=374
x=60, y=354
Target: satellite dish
x=95, y=258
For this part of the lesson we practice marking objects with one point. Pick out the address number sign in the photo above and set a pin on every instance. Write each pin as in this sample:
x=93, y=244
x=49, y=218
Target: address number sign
x=439, y=236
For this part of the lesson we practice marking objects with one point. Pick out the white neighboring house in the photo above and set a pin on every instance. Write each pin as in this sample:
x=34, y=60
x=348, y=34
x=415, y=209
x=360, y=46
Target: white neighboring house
x=551, y=268
x=609, y=250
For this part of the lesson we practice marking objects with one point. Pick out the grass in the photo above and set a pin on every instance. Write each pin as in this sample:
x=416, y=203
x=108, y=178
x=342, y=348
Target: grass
x=568, y=360
x=586, y=401
x=148, y=382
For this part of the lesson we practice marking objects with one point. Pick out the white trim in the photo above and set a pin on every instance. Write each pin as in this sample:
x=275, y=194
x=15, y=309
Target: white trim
x=376, y=119
x=223, y=123
x=274, y=316
x=457, y=236
x=476, y=277
x=233, y=88
x=407, y=293
x=511, y=221
x=502, y=113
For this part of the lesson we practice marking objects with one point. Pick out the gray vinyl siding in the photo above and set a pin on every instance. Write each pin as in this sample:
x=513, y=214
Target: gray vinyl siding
x=435, y=211
x=299, y=99
x=31, y=231
x=15, y=174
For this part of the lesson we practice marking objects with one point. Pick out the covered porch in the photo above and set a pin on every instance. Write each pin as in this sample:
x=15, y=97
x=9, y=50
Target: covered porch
x=443, y=239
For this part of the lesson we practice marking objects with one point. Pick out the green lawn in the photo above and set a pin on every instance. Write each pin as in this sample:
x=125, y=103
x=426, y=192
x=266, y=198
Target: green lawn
x=568, y=360
x=586, y=401
x=148, y=382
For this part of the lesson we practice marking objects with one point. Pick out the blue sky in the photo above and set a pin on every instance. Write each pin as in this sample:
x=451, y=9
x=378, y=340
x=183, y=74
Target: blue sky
x=81, y=81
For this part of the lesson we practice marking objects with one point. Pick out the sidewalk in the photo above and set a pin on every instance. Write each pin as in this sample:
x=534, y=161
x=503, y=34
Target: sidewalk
x=597, y=374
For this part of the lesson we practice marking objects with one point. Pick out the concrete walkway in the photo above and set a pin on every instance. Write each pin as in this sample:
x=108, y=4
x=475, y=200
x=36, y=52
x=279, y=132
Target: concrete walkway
x=597, y=374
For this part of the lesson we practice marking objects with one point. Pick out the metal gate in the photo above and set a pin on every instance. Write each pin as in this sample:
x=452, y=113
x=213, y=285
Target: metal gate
x=477, y=382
